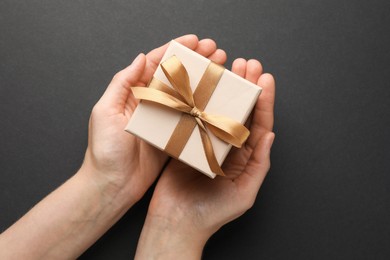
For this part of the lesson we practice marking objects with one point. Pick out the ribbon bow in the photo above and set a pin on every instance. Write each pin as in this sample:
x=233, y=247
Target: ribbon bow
x=191, y=105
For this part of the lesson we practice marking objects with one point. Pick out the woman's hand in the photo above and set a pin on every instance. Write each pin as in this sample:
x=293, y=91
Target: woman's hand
x=127, y=163
x=188, y=207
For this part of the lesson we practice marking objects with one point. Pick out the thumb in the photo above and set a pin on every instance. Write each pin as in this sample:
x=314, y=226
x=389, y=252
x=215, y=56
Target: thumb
x=257, y=167
x=118, y=90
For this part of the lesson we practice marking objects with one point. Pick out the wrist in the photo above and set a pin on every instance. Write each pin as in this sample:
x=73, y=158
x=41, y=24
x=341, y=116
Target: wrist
x=65, y=223
x=109, y=191
x=169, y=238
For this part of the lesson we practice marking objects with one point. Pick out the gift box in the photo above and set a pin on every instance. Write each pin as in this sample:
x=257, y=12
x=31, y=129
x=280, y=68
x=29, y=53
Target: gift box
x=197, y=125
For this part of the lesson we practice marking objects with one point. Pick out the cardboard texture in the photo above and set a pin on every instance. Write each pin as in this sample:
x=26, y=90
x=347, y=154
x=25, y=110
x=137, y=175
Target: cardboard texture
x=233, y=97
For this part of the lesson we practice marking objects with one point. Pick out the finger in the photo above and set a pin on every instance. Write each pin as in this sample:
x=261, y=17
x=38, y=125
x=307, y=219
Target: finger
x=206, y=47
x=250, y=180
x=154, y=56
x=119, y=89
x=264, y=110
x=219, y=57
x=263, y=113
x=252, y=74
x=253, y=70
x=239, y=67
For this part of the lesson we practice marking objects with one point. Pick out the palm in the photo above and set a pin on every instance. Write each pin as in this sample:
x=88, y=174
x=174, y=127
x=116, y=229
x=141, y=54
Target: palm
x=207, y=203
x=126, y=158
x=183, y=191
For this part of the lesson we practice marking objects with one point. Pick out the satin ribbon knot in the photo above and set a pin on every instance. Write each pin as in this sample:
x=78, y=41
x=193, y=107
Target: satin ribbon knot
x=195, y=112
x=181, y=98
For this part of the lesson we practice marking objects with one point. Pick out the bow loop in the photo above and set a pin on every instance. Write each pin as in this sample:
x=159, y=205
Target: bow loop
x=177, y=75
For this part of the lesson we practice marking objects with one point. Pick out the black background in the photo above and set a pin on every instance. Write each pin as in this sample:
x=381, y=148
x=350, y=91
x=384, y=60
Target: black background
x=327, y=194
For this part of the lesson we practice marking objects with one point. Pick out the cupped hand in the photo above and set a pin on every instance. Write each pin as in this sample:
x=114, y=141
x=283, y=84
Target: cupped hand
x=113, y=156
x=192, y=206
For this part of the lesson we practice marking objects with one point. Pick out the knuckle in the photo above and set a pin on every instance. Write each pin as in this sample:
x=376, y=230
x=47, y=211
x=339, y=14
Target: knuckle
x=117, y=77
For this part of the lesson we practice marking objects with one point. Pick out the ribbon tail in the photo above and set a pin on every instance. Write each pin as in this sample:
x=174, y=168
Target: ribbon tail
x=209, y=151
x=226, y=129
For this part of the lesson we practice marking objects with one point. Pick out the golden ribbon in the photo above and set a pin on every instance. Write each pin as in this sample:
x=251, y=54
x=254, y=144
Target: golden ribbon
x=192, y=105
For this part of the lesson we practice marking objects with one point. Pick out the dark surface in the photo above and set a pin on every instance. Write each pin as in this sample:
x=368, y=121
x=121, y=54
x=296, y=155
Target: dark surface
x=327, y=195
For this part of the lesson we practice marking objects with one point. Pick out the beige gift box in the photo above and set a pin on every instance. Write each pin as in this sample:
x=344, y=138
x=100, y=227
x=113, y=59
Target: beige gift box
x=233, y=97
